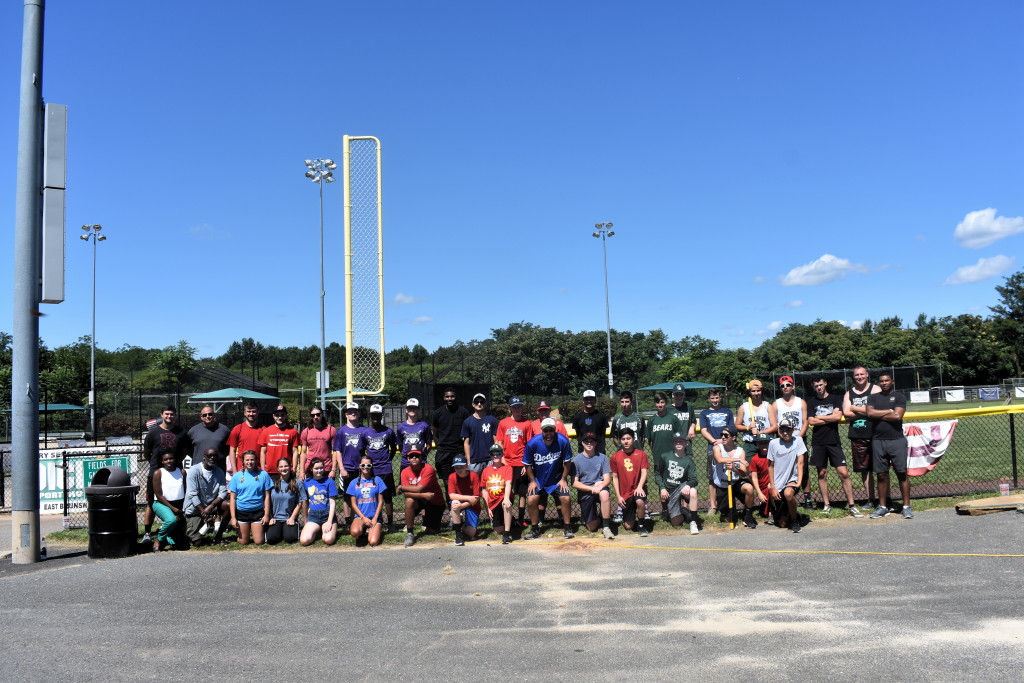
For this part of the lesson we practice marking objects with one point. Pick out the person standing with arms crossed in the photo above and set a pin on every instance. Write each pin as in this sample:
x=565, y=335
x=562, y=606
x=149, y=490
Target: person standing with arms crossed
x=855, y=404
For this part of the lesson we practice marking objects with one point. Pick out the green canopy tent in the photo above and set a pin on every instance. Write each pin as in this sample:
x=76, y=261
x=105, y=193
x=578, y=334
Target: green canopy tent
x=668, y=386
x=340, y=397
x=45, y=409
x=223, y=396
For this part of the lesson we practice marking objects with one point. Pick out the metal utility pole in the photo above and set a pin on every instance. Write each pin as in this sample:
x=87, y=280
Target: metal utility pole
x=27, y=292
x=92, y=234
x=320, y=172
x=604, y=230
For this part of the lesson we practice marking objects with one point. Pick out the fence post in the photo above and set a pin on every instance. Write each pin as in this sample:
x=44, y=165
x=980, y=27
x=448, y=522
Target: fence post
x=67, y=513
x=1013, y=448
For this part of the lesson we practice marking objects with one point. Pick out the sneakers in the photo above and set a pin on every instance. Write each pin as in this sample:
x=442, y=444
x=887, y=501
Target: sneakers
x=693, y=529
x=533, y=533
x=409, y=539
x=808, y=502
x=568, y=532
x=506, y=538
x=643, y=532
x=391, y=528
x=748, y=520
x=907, y=512
x=146, y=538
x=459, y=538
x=826, y=509
x=607, y=533
x=618, y=515
x=855, y=511
x=795, y=526
x=880, y=511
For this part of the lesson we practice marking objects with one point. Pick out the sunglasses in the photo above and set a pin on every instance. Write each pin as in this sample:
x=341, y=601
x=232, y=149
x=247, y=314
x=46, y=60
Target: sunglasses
x=785, y=384
x=206, y=415
x=366, y=467
x=316, y=414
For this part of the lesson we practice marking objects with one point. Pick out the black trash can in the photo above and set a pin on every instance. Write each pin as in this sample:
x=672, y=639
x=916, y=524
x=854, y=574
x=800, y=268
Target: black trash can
x=113, y=525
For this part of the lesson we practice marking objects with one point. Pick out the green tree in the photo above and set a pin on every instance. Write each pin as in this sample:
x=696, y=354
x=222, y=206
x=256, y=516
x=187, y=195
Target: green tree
x=176, y=360
x=1009, y=322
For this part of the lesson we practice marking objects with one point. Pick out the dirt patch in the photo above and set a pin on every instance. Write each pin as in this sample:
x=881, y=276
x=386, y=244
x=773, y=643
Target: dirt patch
x=575, y=547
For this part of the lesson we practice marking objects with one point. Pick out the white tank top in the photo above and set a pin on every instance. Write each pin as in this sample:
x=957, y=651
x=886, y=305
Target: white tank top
x=172, y=484
x=760, y=414
x=792, y=411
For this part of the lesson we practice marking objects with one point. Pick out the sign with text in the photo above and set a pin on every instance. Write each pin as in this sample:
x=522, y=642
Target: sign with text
x=80, y=474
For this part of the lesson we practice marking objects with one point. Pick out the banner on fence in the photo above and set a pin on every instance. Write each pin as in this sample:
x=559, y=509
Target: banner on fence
x=954, y=394
x=920, y=397
x=80, y=474
x=926, y=444
x=988, y=393
x=1018, y=392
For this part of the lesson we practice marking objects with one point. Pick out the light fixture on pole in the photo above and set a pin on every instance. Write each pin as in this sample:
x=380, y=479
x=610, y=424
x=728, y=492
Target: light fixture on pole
x=92, y=234
x=320, y=172
x=604, y=231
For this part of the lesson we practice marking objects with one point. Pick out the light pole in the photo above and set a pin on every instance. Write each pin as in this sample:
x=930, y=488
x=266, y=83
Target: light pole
x=92, y=234
x=604, y=231
x=320, y=172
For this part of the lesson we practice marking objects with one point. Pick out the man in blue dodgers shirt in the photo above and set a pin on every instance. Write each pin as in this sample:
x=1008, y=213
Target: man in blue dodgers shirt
x=547, y=459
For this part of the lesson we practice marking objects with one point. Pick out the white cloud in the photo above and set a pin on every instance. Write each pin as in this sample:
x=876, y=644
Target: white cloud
x=796, y=303
x=856, y=324
x=826, y=269
x=422, y=320
x=981, y=228
x=208, y=233
x=406, y=299
x=771, y=327
x=759, y=279
x=982, y=270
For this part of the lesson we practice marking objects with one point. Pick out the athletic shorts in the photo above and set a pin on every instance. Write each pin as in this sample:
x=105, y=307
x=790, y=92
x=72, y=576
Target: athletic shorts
x=860, y=453
x=345, y=481
x=478, y=467
x=318, y=516
x=676, y=502
x=520, y=482
x=389, y=482
x=737, y=493
x=887, y=453
x=471, y=517
x=249, y=516
x=629, y=508
x=827, y=453
x=431, y=514
x=590, y=506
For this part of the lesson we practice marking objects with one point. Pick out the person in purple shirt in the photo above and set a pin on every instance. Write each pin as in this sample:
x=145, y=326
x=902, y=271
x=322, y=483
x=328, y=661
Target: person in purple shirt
x=349, y=447
x=414, y=434
x=381, y=446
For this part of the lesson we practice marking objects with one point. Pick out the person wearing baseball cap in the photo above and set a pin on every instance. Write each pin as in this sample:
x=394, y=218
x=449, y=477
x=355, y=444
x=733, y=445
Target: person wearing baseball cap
x=279, y=440
x=513, y=433
x=792, y=407
x=413, y=433
x=590, y=420
x=547, y=459
x=496, y=488
x=381, y=446
x=423, y=494
x=676, y=475
x=683, y=411
x=478, y=432
x=755, y=419
x=349, y=448
x=732, y=471
x=464, y=492
x=785, y=457
x=543, y=412
x=592, y=478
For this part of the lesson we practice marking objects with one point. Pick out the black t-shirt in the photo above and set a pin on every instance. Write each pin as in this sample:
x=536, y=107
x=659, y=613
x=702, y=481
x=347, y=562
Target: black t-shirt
x=826, y=434
x=590, y=423
x=887, y=430
x=447, y=426
x=158, y=438
x=860, y=428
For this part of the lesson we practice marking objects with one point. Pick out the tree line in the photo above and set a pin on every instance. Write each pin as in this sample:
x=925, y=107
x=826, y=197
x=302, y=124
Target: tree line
x=543, y=361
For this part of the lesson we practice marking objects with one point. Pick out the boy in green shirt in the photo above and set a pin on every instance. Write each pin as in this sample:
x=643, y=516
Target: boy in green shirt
x=676, y=475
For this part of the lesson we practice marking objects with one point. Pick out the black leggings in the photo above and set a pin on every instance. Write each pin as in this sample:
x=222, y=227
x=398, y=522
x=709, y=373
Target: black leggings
x=280, y=530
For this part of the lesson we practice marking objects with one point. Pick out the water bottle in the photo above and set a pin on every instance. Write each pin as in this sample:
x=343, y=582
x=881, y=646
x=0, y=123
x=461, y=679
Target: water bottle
x=1004, y=487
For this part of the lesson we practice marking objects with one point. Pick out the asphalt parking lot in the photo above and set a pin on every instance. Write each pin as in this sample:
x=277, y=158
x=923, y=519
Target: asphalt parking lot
x=936, y=597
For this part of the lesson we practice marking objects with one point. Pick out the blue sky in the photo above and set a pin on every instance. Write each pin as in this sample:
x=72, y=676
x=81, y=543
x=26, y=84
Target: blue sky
x=763, y=163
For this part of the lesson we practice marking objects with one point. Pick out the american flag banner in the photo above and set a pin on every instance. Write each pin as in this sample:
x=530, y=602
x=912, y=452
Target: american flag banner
x=926, y=444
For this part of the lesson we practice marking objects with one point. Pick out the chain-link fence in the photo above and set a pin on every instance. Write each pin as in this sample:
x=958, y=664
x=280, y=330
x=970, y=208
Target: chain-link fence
x=365, y=259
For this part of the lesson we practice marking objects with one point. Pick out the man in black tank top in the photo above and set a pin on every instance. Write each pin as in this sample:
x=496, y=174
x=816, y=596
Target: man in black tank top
x=855, y=410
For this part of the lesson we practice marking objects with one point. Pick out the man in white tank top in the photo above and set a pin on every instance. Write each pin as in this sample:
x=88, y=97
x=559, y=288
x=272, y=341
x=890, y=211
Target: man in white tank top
x=793, y=408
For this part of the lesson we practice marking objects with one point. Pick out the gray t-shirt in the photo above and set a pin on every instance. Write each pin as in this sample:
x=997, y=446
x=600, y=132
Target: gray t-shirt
x=784, y=456
x=591, y=470
x=203, y=437
x=282, y=503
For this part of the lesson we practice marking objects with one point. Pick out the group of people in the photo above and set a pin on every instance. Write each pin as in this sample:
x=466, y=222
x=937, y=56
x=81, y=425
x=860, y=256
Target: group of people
x=275, y=484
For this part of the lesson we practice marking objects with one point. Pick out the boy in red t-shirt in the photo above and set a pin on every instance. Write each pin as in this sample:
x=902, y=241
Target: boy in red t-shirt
x=496, y=482
x=464, y=490
x=422, y=494
x=759, y=478
x=629, y=479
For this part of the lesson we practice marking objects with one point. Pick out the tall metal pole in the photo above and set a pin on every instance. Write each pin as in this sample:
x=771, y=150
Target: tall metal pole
x=604, y=231
x=27, y=255
x=320, y=172
x=92, y=234
x=323, y=329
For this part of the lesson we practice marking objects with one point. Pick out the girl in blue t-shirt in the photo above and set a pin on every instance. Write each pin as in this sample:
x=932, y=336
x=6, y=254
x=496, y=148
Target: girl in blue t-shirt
x=366, y=499
x=286, y=502
x=250, y=500
x=322, y=494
